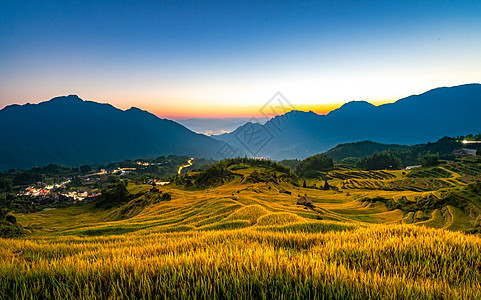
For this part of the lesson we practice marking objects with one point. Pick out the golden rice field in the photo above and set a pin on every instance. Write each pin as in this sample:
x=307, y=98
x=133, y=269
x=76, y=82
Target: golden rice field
x=243, y=240
x=341, y=262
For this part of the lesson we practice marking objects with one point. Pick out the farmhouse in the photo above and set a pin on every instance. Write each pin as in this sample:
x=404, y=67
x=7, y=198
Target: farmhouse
x=304, y=201
x=464, y=152
x=284, y=192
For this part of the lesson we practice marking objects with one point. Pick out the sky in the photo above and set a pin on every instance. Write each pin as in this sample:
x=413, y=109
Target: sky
x=186, y=59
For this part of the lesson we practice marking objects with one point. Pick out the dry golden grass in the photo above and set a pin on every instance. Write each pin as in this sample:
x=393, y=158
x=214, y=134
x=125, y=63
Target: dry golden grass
x=377, y=261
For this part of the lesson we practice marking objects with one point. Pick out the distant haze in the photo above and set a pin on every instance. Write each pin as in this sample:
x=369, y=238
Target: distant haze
x=215, y=126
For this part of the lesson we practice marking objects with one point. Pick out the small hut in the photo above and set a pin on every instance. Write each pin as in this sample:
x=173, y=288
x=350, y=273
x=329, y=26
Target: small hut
x=285, y=192
x=305, y=201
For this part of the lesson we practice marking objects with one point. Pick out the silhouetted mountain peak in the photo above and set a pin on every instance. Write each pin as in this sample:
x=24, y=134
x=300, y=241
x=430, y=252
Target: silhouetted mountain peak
x=357, y=104
x=352, y=107
x=294, y=112
x=137, y=111
x=87, y=132
x=69, y=98
x=447, y=111
x=255, y=124
x=60, y=99
x=292, y=115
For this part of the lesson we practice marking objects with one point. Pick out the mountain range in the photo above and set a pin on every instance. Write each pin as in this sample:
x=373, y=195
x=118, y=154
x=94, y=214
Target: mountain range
x=73, y=132
x=70, y=131
x=447, y=111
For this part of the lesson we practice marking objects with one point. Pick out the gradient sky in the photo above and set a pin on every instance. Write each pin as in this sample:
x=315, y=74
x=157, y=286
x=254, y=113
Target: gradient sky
x=182, y=59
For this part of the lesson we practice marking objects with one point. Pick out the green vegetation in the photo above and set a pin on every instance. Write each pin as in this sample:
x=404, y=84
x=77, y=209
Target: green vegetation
x=380, y=161
x=291, y=163
x=429, y=160
x=115, y=194
x=353, y=152
x=6, y=184
x=8, y=225
x=54, y=186
x=227, y=170
x=429, y=172
x=312, y=166
x=424, y=154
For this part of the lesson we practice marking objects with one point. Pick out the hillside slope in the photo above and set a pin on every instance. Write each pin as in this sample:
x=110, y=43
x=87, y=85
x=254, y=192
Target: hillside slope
x=360, y=149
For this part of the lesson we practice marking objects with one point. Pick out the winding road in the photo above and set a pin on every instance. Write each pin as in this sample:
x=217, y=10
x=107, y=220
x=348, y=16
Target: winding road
x=189, y=163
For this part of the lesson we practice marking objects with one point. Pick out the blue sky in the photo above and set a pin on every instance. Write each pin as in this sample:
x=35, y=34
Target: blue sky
x=227, y=58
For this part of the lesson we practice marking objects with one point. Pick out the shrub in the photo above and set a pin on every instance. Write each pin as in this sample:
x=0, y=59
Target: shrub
x=11, y=219
x=9, y=230
x=115, y=194
x=428, y=160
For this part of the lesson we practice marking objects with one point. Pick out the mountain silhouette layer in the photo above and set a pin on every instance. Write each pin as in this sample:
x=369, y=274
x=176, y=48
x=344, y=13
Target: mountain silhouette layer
x=71, y=131
x=447, y=111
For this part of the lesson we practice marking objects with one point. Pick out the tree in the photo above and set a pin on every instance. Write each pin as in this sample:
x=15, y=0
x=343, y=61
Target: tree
x=311, y=166
x=75, y=182
x=11, y=219
x=85, y=168
x=291, y=163
x=27, y=178
x=304, y=184
x=5, y=184
x=429, y=160
x=326, y=185
x=116, y=193
x=380, y=161
x=3, y=213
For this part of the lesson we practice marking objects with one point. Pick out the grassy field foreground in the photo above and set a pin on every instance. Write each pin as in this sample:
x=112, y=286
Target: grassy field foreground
x=354, y=262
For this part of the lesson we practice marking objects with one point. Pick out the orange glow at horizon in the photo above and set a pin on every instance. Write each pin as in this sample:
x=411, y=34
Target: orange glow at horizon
x=205, y=111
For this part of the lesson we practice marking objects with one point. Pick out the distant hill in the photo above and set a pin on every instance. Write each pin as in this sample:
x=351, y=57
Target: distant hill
x=360, y=149
x=70, y=131
x=416, y=119
x=214, y=126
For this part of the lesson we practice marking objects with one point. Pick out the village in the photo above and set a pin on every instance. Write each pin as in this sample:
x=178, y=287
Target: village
x=55, y=186
x=85, y=189
x=59, y=193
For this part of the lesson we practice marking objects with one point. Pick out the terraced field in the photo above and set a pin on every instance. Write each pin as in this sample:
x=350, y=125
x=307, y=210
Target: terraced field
x=366, y=198
x=356, y=197
x=371, y=235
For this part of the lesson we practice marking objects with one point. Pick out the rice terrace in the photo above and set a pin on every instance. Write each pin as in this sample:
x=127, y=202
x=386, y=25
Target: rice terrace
x=235, y=231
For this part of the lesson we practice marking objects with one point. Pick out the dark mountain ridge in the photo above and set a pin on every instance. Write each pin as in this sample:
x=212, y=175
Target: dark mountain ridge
x=71, y=131
x=415, y=119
